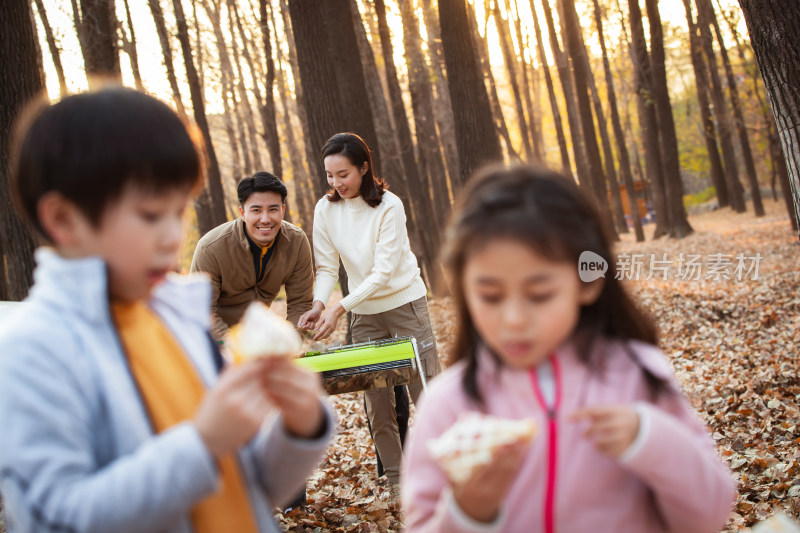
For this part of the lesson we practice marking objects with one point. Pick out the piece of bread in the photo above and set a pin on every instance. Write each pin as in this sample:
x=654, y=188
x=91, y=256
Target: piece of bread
x=472, y=441
x=262, y=333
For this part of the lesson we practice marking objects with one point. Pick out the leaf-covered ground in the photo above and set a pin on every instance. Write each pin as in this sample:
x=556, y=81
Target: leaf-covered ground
x=734, y=344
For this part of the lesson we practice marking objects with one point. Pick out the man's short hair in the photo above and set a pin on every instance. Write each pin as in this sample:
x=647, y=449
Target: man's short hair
x=89, y=147
x=261, y=182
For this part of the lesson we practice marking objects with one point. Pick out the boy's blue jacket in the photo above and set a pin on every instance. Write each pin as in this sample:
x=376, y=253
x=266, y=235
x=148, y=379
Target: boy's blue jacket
x=77, y=452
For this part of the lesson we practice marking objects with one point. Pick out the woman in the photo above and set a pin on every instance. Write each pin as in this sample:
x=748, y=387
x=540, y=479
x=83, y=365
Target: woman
x=360, y=222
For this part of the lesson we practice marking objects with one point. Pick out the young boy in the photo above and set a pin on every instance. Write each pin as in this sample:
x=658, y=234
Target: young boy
x=115, y=411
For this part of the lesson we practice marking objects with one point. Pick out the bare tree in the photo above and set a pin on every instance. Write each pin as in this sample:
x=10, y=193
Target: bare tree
x=166, y=50
x=268, y=106
x=738, y=118
x=542, y=57
x=96, y=23
x=210, y=205
x=430, y=154
x=54, y=50
x=18, y=55
x=624, y=159
x=476, y=139
x=129, y=47
x=708, y=125
x=773, y=34
x=510, y=60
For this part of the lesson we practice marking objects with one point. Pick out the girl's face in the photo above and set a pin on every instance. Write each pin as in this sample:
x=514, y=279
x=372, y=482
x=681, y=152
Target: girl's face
x=343, y=175
x=523, y=305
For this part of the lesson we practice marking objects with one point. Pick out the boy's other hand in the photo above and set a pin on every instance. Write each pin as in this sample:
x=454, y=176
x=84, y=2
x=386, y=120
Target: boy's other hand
x=296, y=392
x=233, y=410
x=612, y=428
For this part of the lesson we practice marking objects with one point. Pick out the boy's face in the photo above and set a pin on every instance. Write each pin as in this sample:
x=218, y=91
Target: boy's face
x=139, y=236
x=262, y=213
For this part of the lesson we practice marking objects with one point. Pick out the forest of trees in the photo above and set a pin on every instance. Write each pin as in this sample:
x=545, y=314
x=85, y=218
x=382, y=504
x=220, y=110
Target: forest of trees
x=642, y=110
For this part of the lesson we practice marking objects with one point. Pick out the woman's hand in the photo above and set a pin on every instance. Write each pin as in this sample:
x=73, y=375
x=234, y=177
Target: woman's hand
x=309, y=319
x=612, y=428
x=481, y=496
x=327, y=322
x=295, y=391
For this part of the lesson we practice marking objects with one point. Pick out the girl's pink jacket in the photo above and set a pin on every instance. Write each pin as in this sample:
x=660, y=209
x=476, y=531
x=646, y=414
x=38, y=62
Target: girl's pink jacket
x=672, y=479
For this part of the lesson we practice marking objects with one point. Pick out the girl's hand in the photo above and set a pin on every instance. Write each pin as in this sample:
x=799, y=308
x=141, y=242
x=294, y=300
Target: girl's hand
x=309, y=319
x=612, y=428
x=327, y=322
x=482, y=494
x=296, y=392
x=231, y=412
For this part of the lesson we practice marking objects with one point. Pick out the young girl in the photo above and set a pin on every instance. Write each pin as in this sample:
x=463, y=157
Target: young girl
x=619, y=448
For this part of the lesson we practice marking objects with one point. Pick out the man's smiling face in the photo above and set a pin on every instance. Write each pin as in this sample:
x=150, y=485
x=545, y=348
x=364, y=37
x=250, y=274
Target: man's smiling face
x=262, y=214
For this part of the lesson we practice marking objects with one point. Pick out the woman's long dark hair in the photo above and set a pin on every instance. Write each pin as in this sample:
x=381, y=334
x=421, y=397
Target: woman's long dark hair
x=546, y=211
x=357, y=152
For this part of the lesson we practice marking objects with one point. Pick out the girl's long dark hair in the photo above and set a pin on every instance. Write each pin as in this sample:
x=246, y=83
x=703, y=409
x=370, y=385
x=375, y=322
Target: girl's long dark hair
x=357, y=152
x=546, y=211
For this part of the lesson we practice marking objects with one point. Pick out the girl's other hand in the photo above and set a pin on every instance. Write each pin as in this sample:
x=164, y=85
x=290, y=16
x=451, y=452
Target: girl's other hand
x=296, y=392
x=481, y=496
x=612, y=428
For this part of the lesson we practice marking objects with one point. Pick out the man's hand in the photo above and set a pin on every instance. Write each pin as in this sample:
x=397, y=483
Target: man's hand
x=612, y=428
x=296, y=392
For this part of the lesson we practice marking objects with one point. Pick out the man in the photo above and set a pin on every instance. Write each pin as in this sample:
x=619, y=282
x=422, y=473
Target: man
x=252, y=257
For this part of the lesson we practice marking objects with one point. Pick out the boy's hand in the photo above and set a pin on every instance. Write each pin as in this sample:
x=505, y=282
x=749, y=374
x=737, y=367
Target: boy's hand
x=231, y=412
x=482, y=494
x=612, y=428
x=296, y=392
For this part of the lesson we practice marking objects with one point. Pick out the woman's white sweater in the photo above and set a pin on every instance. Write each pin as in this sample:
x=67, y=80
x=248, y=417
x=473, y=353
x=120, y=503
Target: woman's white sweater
x=373, y=245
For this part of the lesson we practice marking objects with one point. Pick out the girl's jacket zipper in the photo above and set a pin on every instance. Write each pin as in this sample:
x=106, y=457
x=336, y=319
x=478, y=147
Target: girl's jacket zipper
x=552, y=440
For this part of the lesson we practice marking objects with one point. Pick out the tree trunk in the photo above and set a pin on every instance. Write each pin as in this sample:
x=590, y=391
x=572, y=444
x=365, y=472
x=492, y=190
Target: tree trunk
x=54, y=50
x=166, y=50
x=648, y=121
x=616, y=124
x=565, y=76
x=268, y=118
x=18, y=55
x=419, y=205
x=562, y=141
x=738, y=118
x=442, y=106
x=303, y=189
x=510, y=60
x=773, y=34
x=245, y=109
x=482, y=52
x=98, y=25
x=709, y=128
x=573, y=42
x=317, y=182
x=722, y=115
x=476, y=139
x=534, y=123
x=419, y=85
x=678, y=222
x=210, y=205
x=129, y=45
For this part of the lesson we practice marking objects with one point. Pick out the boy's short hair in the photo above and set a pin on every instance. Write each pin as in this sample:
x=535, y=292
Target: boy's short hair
x=260, y=182
x=89, y=147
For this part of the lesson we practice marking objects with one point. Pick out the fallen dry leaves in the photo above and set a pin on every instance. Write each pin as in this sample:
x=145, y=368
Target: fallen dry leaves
x=733, y=344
